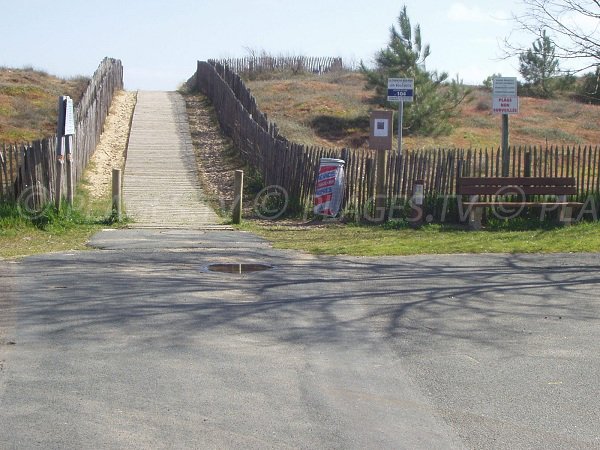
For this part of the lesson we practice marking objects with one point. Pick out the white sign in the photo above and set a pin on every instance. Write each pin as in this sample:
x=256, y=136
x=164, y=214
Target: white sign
x=505, y=105
x=418, y=194
x=382, y=128
x=401, y=89
x=504, y=87
x=69, y=117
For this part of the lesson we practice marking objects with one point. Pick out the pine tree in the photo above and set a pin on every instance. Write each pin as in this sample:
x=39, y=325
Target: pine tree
x=436, y=99
x=538, y=65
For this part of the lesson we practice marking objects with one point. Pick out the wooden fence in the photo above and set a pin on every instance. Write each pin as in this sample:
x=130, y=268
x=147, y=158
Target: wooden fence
x=31, y=168
x=294, y=166
x=295, y=64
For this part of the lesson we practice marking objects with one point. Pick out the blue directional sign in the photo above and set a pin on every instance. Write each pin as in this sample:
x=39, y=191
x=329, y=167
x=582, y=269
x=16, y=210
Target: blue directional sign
x=401, y=89
x=400, y=93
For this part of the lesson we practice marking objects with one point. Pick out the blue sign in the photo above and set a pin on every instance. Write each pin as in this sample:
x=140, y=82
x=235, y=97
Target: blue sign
x=401, y=89
x=400, y=93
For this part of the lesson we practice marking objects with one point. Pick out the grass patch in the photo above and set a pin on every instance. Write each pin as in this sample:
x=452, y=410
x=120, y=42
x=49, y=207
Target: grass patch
x=563, y=108
x=551, y=135
x=484, y=122
x=593, y=126
x=49, y=232
x=359, y=240
x=24, y=233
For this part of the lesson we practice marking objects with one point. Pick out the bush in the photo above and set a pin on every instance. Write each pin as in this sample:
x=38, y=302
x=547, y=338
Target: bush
x=589, y=89
x=484, y=104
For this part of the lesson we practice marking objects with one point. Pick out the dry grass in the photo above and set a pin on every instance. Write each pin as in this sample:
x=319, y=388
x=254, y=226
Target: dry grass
x=28, y=100
x=301, y=106
x=331, y=110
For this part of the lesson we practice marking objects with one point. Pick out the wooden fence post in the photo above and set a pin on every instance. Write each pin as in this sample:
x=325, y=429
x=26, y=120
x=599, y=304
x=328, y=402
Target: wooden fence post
x=527, y=163
x=238, y=188
x=116, y=195
x=380, y=190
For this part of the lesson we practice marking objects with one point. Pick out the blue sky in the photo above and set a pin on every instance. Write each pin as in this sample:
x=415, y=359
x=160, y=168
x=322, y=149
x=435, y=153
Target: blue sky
x=159, y=42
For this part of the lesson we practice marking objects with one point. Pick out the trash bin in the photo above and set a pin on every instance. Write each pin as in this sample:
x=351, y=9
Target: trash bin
x=329, y=192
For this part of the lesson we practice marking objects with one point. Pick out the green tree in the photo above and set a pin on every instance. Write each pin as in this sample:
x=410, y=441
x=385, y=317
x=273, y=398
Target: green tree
x=488, y=83
x=436, y=98
x=589, y=90
x=538, y=65
x=572, y=26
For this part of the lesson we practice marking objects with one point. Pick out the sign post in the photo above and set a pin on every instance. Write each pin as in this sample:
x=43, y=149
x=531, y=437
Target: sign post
x=505, y=101
x=380, y=139
x=69, y=132
x=381, y=130
x=60, y=151
x=400, y=90
x=65, y=130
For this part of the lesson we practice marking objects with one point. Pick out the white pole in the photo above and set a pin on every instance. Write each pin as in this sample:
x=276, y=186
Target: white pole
x=70, y=187
x=60, y=150
x=400, y=120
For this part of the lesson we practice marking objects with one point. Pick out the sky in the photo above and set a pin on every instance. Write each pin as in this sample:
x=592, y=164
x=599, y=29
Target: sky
x=159, y=42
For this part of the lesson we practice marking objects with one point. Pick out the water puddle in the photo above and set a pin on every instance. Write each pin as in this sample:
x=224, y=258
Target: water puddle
x=238, y=268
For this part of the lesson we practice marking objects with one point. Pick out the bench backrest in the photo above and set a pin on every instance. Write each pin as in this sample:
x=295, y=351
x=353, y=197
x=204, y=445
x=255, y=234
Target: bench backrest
x=516, y=186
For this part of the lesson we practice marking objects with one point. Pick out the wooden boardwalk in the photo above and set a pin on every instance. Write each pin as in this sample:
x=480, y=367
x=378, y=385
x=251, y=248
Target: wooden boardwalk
x=160, y=187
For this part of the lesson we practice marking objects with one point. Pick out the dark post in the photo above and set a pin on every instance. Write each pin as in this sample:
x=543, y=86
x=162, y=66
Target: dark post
x=527, y=163
x=60, y=150
x=116, y=194
x=344, y=155
x=380, y=139
x=380, y=190
x=505, y=148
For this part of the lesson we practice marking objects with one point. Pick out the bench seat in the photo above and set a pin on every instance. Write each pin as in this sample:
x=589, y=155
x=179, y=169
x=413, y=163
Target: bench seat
x=520, y=187
x=519, y=204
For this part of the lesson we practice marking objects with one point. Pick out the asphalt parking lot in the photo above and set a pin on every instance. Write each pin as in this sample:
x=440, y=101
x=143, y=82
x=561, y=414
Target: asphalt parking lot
x=137, y=344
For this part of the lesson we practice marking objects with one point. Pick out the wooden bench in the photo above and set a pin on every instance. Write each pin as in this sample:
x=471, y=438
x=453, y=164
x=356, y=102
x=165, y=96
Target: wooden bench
x=523, y=188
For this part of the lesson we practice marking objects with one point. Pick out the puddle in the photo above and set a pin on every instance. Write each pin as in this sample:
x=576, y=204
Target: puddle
x=238, y=268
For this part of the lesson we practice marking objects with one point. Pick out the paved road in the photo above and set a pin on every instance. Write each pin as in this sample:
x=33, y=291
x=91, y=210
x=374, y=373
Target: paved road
x=138, y=346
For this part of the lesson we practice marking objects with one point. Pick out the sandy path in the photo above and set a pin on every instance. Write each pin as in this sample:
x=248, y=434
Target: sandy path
x=110, y=152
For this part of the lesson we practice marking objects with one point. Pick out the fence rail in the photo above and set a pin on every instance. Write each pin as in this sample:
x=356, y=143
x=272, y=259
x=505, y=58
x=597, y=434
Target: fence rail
x=294, y=166
x=31, y=168
x=295, y=64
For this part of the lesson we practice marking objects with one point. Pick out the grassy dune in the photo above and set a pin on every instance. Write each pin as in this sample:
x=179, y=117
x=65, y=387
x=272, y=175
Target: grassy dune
x=332, y=110
x=28, y=103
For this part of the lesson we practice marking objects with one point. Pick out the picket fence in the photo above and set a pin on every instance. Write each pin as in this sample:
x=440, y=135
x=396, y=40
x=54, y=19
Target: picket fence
x=296, y=64
x=294, y=166
x=28, y=171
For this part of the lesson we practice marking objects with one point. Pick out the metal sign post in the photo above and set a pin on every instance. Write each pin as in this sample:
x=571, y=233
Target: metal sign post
x=505, y=101
x=400, y=122
x=400, y=90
